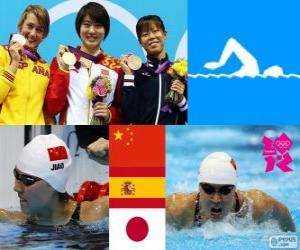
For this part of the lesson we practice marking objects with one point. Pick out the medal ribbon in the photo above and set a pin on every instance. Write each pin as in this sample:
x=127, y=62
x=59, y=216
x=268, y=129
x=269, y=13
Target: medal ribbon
x=163, y=67
x=76, y=51
x=32, y=56
x=160, y=68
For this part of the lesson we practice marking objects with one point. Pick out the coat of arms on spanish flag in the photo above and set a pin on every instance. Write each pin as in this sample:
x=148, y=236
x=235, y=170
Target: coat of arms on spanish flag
x=137, y=188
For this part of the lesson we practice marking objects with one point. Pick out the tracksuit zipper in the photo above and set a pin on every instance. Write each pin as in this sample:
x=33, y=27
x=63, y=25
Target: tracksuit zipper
x=159, y=99
x=28, y=90
x=89, y=101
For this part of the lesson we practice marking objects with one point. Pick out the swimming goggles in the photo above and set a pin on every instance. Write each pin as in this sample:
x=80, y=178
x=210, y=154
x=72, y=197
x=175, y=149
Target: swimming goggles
x=209, y=189
x=27, y=180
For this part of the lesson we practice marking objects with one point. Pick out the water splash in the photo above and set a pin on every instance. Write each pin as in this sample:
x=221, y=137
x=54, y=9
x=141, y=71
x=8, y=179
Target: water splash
x=228, y=234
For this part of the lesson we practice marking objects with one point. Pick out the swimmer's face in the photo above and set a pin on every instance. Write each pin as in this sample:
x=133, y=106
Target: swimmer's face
x=216, y=200
x=153, y=40
x=32, y=30
x=91, y=33
x=34, y=197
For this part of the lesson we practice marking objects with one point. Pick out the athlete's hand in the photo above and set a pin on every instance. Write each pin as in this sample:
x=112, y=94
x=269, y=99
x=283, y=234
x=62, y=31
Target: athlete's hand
x=61, y=50
x=124, y=66
x=179, y=87
x=101, y=110
x=15, y=51
x=99, y=147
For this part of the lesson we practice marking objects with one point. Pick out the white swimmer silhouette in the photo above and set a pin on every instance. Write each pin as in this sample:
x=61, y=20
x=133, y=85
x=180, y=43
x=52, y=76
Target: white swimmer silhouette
x=249, y=67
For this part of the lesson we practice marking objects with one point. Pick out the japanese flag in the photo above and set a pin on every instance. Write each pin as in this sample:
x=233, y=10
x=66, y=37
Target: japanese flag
x=137, y=229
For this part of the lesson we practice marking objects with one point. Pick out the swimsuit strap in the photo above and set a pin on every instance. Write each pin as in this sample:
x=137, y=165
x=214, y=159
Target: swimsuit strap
x=197, y=216
x=75, y=219
x=237, y=203
x=76, y=214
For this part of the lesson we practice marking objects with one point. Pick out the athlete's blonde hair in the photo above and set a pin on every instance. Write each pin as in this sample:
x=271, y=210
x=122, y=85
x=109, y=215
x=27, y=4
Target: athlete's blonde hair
x=41, y=14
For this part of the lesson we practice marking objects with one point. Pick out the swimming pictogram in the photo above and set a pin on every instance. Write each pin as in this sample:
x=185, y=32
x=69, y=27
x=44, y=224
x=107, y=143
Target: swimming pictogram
x=249, y=64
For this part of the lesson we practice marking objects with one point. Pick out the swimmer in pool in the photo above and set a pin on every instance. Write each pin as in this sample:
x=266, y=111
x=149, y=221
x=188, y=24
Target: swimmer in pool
x=40, y=179
x=218, y=197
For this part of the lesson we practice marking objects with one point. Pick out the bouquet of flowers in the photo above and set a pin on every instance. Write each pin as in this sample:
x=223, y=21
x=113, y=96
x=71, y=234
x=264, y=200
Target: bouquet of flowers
x=98, y=89
x=178, y=70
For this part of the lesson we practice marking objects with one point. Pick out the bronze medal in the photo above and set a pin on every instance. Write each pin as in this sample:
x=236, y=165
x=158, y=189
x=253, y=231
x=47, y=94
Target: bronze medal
x=134, y=62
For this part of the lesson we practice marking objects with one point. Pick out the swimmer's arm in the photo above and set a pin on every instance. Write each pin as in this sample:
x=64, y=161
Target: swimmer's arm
x=266, y=207
x=12, y=216
x=92, y=211
x=283, y=216
x=180, y=210
x=99, y=147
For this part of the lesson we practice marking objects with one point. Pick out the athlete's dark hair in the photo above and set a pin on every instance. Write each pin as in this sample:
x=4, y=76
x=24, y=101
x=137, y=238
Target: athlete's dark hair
x=144, y=24
x=97, y=13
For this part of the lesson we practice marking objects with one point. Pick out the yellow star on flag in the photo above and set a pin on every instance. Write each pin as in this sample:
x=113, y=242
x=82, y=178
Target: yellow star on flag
x=118, y=135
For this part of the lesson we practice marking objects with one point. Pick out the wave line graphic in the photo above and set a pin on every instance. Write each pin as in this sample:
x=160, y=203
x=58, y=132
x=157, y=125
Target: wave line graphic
x=218, y=76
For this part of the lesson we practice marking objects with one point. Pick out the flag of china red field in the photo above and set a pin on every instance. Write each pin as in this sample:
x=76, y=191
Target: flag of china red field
x=137, y=188
x=136, y=146
x=57, y=153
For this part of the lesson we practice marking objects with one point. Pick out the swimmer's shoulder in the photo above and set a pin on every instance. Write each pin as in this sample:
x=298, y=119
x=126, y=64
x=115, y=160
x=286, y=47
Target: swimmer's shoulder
x=254, y=194
x=180, y=209
x=178, y=200
x=266, y=207
x=93, y=211
x=12, y=216
x=261, y=202
x=260, y=198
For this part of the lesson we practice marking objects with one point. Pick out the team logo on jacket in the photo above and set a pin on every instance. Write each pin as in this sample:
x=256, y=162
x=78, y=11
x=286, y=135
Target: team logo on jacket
x=104, y=72
x=41, y=71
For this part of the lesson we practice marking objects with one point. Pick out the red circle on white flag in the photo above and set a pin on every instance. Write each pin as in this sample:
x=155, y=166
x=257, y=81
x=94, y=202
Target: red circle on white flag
x=137, y=229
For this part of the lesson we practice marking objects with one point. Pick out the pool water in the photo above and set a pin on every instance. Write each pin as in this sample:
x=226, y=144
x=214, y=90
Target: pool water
x=38, y=237
x=224, y=235
x=187, y=146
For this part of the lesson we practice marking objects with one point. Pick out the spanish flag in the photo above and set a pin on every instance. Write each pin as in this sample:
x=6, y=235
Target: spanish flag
x=137, y=187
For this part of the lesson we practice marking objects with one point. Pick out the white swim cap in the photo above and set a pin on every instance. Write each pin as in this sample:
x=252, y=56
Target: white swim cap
x=48, y=158
x=218, y=168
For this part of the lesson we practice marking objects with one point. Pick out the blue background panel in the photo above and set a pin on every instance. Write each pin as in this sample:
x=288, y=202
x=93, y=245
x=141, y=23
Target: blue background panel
x=269, y=31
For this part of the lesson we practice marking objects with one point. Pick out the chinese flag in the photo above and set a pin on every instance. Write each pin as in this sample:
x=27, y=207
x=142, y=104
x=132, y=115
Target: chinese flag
x=137, y=146
x=57, y=153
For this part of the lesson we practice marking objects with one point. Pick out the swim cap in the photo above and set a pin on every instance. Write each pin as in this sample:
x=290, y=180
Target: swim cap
x=218, y=168
x=48, y=158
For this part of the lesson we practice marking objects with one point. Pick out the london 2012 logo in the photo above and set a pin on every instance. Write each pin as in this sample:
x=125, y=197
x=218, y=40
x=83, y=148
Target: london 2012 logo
x=276, y=152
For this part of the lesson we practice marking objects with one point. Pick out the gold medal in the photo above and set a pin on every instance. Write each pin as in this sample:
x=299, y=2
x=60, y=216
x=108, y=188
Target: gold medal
x=19, y=38
x=134, y=62
x=69, y=58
